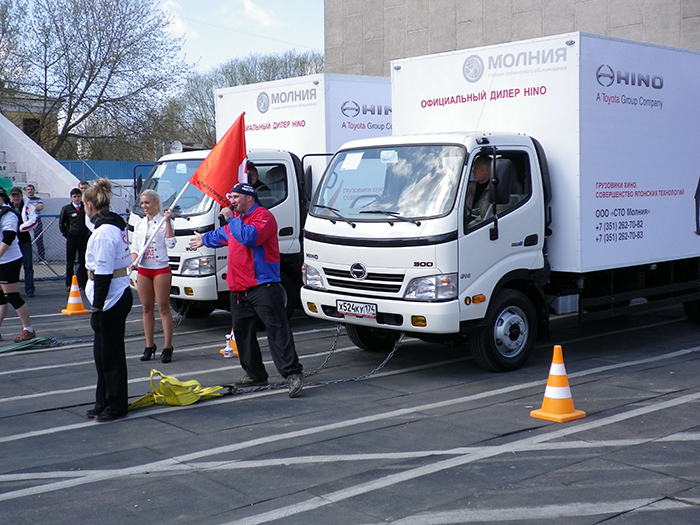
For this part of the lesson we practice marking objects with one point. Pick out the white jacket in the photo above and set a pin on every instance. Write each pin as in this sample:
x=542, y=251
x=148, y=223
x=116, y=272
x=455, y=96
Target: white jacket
x=28, y=216
x=157, y=255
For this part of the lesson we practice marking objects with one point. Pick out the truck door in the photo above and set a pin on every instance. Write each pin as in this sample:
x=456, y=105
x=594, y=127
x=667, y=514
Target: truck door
x=484, y=255
x=278, y=193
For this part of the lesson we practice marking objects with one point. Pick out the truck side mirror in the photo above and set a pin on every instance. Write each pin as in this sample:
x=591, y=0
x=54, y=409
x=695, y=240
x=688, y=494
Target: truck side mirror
x=308, y=184
x=138, y=185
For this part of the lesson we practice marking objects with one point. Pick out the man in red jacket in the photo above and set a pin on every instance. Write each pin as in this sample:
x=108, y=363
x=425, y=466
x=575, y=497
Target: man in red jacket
x=253, y=277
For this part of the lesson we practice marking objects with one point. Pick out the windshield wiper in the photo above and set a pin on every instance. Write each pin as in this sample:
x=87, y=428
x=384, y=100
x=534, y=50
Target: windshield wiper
x=336, y=212
x=393, y=214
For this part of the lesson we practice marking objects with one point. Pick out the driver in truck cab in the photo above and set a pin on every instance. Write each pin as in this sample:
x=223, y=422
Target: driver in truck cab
x=253, y=276
x=478, y=188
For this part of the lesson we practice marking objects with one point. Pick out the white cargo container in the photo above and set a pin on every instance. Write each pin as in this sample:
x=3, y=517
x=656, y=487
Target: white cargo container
x=310, y=115
x=605, y=223
x=293, y=126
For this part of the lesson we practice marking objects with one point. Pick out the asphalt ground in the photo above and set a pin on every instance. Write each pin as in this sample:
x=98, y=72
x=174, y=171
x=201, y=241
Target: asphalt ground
x=429, y=438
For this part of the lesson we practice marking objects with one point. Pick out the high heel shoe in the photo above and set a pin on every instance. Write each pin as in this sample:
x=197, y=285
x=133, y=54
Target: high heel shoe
x=167, y=355
x=149, y=352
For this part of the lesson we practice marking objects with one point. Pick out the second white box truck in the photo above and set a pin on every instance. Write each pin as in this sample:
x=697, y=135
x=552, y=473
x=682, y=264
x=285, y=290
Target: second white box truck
x=591, y=197
x=293, y=126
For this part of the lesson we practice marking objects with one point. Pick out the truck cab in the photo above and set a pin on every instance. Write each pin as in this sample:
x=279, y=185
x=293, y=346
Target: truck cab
x=199, y=276
x=392, y=244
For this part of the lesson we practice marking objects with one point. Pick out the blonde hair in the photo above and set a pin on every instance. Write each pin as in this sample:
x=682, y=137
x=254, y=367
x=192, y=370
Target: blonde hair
x=151, y=195
x=99, y=194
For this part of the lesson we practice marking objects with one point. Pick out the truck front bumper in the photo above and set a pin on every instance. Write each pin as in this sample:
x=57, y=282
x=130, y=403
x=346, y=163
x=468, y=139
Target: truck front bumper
x=194, y=288
x=405, y=316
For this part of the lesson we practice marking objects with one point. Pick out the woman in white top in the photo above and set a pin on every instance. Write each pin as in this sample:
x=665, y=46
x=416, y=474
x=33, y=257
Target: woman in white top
x=10, y=265
x=107, y=258
x=154, y=276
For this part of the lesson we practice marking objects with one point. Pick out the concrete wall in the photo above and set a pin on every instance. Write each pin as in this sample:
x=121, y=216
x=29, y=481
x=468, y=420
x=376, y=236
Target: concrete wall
x=39, y=167
x=363, y=36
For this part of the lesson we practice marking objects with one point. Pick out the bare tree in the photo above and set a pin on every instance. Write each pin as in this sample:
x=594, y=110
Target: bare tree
x=100, y=66
x=12, y=12
x=195, y=104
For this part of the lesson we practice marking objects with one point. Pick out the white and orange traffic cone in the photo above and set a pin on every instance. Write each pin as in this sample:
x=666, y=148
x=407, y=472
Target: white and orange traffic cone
x=75, y=301
x=558, y=405
x=231, y=349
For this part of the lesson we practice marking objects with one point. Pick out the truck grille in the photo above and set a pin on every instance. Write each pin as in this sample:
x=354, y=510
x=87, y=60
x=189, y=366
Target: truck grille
x=174, y=262
x=374, y=282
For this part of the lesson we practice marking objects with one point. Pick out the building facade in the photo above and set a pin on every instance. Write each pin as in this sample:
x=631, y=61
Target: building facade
x=362, y=37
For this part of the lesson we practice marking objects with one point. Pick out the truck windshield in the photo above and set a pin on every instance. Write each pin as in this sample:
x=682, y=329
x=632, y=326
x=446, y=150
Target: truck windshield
x=414, y=181
x=168, y=179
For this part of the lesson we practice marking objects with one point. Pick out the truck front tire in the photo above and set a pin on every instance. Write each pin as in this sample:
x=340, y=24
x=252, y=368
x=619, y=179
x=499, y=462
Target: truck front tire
x=508, y=338
x=372, y=339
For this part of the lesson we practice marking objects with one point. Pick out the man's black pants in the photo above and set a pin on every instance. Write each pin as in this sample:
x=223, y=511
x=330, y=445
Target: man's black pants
x=265, y=301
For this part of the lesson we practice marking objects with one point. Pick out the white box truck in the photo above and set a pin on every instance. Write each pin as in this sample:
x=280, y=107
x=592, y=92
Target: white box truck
x=606, y=222
x=293, y=126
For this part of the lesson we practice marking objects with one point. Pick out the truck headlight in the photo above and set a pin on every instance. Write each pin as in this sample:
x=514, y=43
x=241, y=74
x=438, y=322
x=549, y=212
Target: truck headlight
x=198, y=266
x=312, y=277
x=432, y=288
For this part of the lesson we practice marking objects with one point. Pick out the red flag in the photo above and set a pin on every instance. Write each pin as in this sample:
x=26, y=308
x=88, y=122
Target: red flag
x=224, y=166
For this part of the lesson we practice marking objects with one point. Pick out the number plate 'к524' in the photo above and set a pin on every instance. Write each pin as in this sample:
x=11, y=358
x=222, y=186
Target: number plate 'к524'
x=356, y=309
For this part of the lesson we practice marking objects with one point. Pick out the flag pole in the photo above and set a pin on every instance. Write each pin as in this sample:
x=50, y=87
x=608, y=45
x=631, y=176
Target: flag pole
x=159, y=225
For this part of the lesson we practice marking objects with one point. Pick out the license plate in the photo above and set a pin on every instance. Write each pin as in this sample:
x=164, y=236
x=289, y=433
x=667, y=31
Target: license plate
x=356, y=309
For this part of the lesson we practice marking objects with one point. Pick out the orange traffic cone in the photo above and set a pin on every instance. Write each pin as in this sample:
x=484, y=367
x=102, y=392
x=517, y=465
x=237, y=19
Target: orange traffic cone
x=231, y=349
x=75, y=301
x=558, y=406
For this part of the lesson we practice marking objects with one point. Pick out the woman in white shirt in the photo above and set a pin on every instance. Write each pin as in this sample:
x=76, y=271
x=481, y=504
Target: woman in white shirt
x=107, y=258
x=10, y=265
x=154, y=276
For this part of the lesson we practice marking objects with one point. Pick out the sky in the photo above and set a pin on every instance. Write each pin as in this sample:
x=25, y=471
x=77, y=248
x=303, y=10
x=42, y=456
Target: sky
x=216, y=31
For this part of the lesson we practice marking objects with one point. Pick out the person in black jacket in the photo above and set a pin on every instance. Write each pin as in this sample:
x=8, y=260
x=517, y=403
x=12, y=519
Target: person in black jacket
x=71, y=222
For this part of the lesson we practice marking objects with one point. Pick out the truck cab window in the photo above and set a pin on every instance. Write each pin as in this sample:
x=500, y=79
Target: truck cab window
x=272, y=188
x=483, y=197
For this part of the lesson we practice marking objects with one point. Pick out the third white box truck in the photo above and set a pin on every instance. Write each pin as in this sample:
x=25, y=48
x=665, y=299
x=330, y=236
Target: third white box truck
x=591, y=197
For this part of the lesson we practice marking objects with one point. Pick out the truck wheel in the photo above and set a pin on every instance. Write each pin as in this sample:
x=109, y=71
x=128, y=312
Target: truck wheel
x=196, y=310
x=507, y=340
x=372, y=339
x=692, y=310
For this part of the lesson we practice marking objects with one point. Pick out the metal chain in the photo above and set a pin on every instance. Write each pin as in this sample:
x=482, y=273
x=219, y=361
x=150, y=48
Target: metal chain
x=177, y=319
x=234, y=390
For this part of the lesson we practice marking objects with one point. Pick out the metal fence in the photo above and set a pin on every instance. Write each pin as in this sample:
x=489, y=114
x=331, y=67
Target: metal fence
x=49, y=250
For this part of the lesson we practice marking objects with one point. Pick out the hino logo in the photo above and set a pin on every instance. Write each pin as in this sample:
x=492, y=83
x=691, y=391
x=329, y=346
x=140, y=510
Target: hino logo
x=358, y=271
x=606, y=77
x=473, y=68
x=263, y=102
x=351, y=109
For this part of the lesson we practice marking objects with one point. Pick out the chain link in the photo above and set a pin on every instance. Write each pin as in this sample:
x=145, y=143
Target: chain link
x=234, y=390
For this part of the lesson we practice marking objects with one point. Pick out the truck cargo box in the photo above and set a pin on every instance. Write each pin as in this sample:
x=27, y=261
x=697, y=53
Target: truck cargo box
x=619, y=122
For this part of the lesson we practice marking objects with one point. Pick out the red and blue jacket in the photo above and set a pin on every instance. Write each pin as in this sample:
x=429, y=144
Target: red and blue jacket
x=253, y=249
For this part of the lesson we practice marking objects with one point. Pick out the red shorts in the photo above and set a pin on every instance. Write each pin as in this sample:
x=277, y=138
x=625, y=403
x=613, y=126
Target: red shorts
x=151, y=274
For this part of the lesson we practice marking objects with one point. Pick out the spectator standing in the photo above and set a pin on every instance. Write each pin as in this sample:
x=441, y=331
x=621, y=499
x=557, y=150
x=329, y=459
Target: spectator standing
x=38, y=204
x=27, y=222
x=253, y=276
x=10, y=266
x=107, y=259
x=71, y=222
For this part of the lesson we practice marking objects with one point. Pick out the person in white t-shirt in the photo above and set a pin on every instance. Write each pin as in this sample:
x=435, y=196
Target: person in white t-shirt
x=107, y=258
x=10, y=265
x=154, y=275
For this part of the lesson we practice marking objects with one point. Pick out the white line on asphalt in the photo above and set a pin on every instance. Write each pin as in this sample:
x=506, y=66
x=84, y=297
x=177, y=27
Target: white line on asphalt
x=379, y=456
x=570, y=510
x=134, y=381
x=450, y=402
x=407, y=475
x=386, y=481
